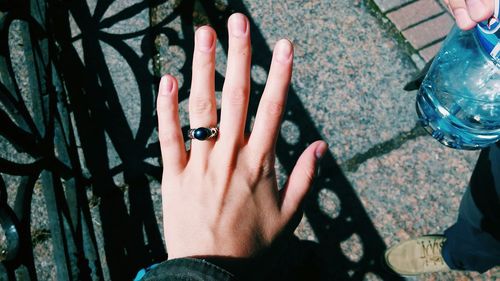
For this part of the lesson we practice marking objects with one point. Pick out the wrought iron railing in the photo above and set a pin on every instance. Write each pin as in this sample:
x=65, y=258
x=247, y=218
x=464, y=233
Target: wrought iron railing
x=36, y=122
x=53, y=144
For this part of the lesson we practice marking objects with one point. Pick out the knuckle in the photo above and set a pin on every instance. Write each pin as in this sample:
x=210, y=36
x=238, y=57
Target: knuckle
x=245, y=50
x=262, y=168
x=237, y=95
x=242, y=50
x=204, y=64
x=164, y=107
x=201, y=106
x=169, y=138
x=272, y=108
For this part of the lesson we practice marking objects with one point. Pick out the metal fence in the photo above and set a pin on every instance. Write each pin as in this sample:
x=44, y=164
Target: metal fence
x=54, y=140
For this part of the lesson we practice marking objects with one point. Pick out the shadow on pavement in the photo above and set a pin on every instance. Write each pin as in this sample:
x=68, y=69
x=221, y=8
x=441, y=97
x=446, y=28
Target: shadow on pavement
x=132, y=239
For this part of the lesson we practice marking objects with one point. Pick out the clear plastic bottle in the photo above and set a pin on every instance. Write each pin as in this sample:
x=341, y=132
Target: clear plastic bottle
x=459, y=100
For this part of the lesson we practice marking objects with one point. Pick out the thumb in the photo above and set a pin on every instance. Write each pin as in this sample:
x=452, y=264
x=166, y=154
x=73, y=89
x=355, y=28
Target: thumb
x=480, y=10
x=301, y=179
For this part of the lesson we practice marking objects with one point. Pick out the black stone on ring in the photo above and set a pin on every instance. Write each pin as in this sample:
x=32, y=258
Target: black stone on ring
x=203, y=133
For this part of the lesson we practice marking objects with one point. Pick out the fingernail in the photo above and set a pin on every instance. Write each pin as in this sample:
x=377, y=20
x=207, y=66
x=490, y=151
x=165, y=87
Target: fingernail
x=320, y=151
x=284, y=51
x=238, y=25
x=204, y=39
x=167, y=85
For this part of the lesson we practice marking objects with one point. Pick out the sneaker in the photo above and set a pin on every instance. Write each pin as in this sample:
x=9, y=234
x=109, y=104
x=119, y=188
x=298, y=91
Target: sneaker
x=417, y=256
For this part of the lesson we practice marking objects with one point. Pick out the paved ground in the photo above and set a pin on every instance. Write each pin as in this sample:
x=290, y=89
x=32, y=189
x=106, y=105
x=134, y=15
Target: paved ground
x=384, y=180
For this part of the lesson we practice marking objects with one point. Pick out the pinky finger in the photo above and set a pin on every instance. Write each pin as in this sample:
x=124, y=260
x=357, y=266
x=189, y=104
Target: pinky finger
x=173, y=150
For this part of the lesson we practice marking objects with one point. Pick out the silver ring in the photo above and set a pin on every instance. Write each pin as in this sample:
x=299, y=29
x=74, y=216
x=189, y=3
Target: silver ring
x=203, y=133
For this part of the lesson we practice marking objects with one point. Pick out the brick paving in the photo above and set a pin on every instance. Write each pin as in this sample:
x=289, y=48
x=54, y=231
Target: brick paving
x=414, y=13
x=423, y=23
x=428, y=32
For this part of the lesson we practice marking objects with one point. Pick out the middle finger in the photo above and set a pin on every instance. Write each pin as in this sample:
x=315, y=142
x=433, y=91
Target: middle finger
x=237, y=84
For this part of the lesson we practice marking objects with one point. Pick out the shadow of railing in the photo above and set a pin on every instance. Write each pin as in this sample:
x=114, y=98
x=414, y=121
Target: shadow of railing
x=35, y=122
x=71, y=115
x=76, y=114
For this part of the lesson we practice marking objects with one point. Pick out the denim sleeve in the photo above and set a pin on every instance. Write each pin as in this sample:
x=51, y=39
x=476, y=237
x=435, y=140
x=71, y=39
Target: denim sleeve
x=185, y=269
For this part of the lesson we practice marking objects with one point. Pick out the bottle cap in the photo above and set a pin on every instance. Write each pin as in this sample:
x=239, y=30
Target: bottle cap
x=489, y=33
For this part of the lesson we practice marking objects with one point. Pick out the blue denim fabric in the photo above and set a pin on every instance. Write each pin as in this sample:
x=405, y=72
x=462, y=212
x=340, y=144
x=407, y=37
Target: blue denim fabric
x=473, y=242
x=187, y=269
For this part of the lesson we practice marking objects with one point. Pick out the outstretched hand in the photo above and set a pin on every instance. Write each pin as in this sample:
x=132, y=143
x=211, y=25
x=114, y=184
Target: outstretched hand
x=468, y=13
x=221, y=198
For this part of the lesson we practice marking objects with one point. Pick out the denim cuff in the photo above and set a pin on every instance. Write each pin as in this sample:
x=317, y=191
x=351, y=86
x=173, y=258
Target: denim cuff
x=185, y=269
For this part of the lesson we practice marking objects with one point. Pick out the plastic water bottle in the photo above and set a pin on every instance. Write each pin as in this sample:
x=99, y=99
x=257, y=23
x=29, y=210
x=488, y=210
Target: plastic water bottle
x=459, y=100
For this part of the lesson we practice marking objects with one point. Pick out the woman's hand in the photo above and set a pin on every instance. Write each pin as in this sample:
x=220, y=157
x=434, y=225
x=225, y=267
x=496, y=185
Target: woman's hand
x=221, y=198
x=468, y=13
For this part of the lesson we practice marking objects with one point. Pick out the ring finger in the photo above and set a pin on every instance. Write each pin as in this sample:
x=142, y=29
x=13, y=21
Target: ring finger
x=202, y=106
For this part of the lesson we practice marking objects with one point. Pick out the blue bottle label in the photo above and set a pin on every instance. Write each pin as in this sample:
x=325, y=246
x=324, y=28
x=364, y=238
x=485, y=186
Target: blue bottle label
x=488, y=33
